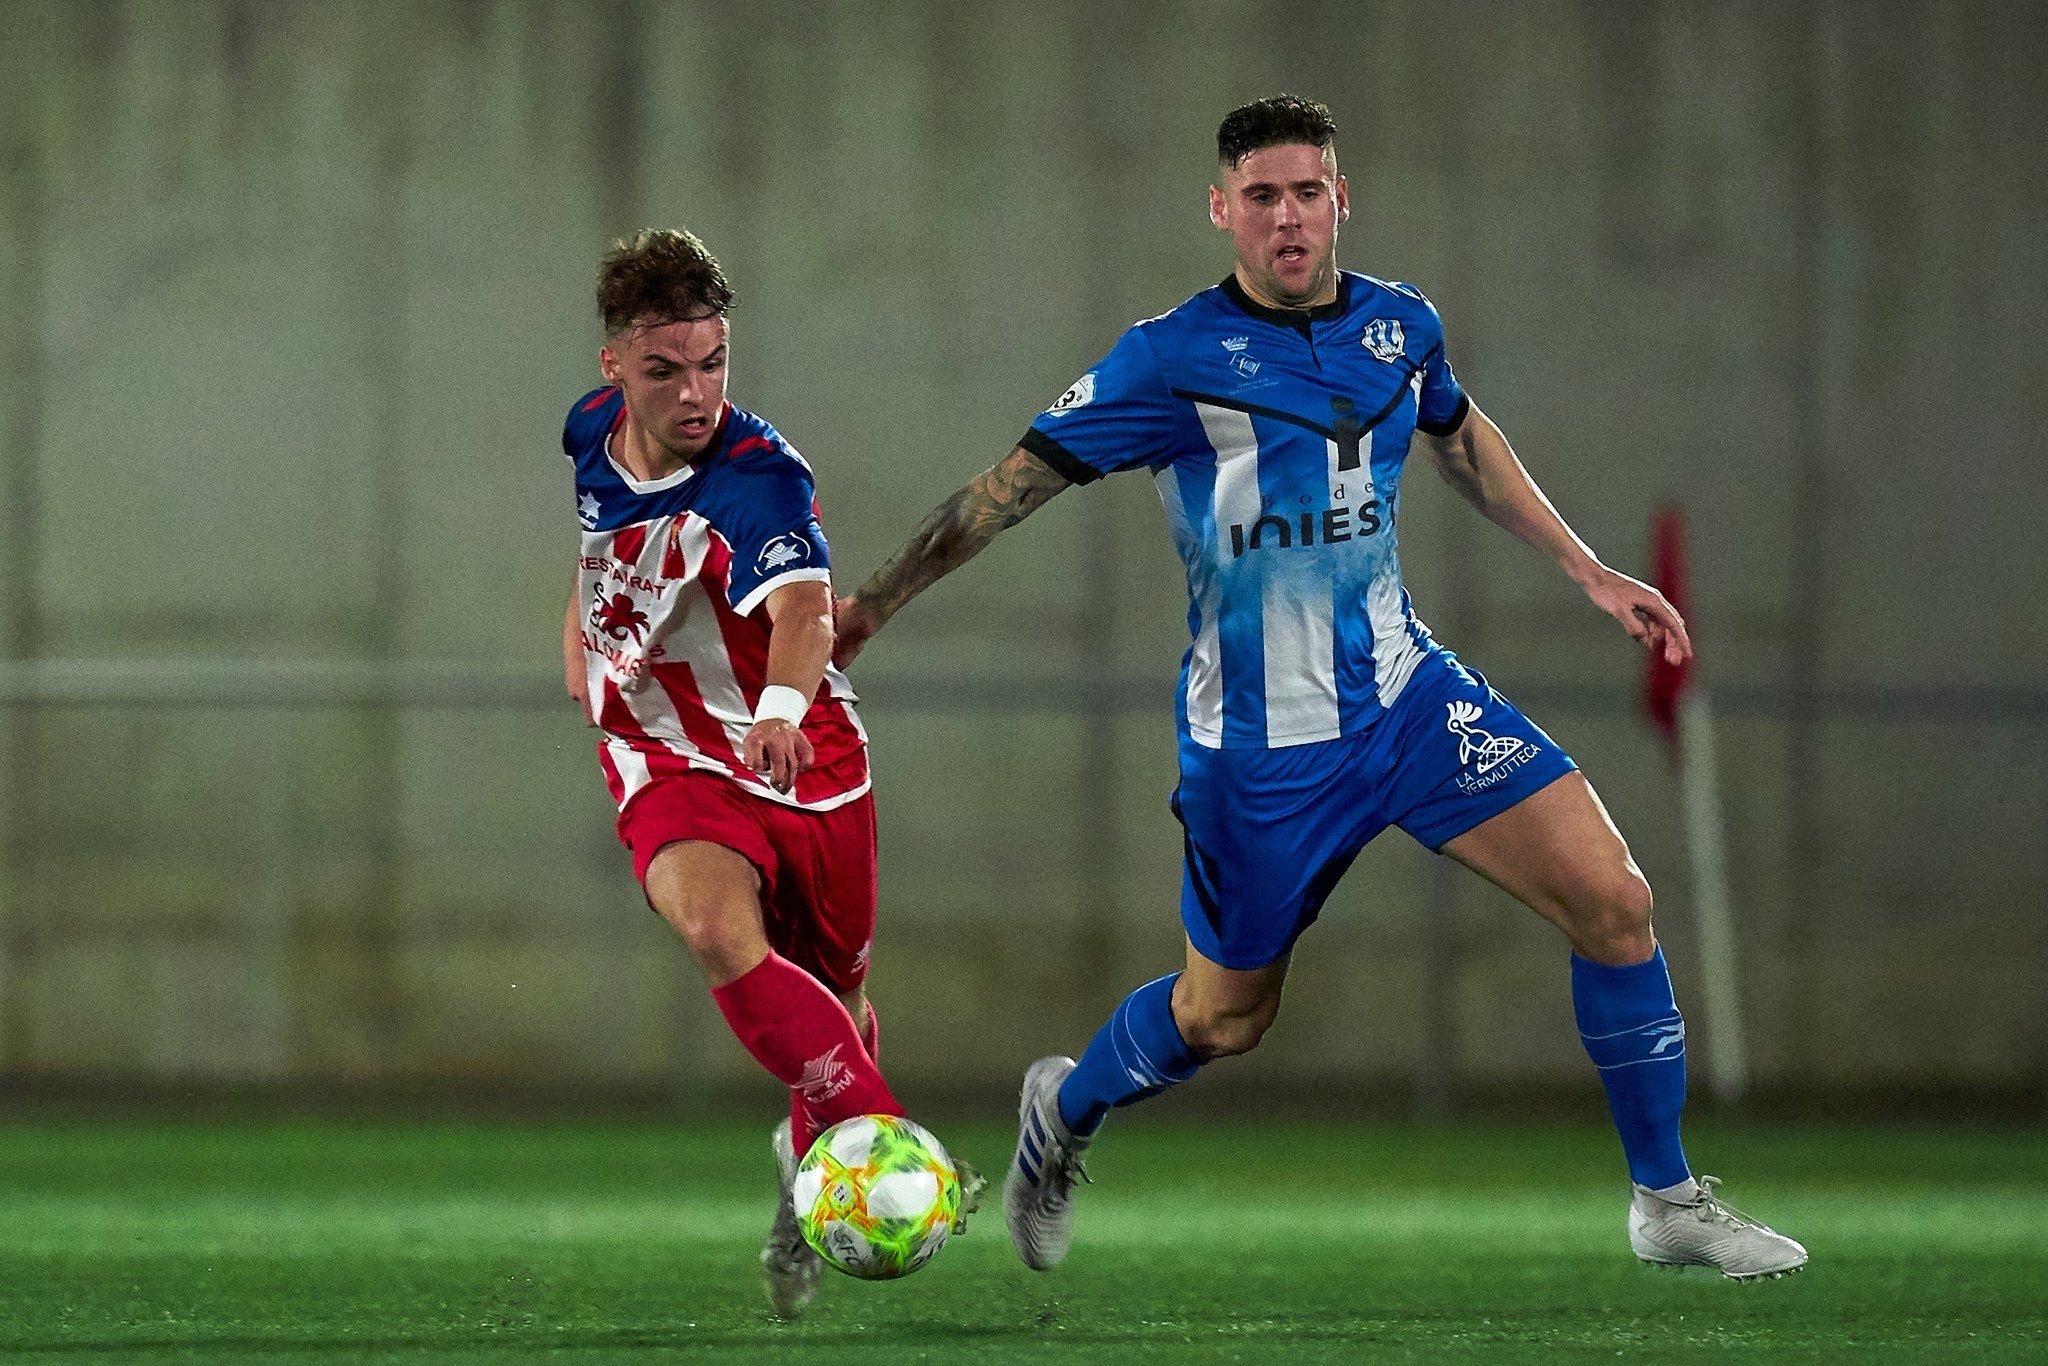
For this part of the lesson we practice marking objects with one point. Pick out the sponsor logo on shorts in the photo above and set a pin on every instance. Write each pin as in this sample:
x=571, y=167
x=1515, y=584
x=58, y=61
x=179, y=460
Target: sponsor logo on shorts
x=1492, y=757
x=824, y=1076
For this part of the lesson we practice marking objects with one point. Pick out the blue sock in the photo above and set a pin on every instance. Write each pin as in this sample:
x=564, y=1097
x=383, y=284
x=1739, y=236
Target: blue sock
x=1629, y=1022
x=1138, y=1053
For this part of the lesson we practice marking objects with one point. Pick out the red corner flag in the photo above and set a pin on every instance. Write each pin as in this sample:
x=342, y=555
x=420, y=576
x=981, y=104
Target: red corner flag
x=1664, y=684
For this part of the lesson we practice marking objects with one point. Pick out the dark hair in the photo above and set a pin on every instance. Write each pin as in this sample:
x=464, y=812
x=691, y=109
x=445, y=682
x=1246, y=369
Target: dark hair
x=659, y=275
x=1276, y=121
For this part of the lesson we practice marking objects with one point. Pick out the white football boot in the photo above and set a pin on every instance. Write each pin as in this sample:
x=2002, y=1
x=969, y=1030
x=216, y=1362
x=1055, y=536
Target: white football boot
x=791, y=1268
x=1038, y=1194
x=1705, y=1231
x=972, y=1183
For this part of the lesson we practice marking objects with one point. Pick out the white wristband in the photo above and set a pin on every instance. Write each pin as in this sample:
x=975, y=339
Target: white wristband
x=781, y=704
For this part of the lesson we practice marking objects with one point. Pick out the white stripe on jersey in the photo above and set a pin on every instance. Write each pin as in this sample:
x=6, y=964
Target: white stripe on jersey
x=1300, y=607
x=643, y=698
x=632, y=767
x=693, y=636
x=681, y=616
x=1298, y=647
x=1235, y=502
x=1394, y=652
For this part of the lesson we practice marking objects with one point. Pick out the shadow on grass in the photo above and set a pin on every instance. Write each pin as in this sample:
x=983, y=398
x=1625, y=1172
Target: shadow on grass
x=768, y=1338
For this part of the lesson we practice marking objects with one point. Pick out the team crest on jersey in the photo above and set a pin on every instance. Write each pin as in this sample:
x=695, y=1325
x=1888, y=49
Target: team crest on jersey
x=617, y=617
x=1079, y=396
x=1492, y=757
x=1384, y=338
x=1239, y=361
x=785, y=550
x=586, y=510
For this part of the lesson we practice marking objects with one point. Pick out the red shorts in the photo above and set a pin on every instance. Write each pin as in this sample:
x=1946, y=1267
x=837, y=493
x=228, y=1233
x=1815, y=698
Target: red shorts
x=817, y=867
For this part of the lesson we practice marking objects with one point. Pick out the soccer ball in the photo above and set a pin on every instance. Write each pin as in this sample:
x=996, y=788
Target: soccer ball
x=876, y=1196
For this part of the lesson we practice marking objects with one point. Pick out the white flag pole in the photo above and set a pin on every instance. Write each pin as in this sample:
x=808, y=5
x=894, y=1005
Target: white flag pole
x=1700, y=784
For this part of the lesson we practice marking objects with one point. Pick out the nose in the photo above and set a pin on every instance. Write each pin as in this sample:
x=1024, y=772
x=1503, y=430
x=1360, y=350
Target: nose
x=1290, y=212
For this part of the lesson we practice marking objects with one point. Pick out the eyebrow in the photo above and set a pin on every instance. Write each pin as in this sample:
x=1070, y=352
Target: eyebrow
x=1315, y=183
x=664, y=358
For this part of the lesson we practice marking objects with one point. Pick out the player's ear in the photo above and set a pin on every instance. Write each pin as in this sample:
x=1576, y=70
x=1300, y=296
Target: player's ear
x=1217, y=215
x=608, y=365
x=1343, y=200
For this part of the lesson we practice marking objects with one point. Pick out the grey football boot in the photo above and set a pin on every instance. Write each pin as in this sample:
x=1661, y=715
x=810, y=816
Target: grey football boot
x=1038, y=1193
x=1706, y=1231
x=790, y=1267
x=972, y=1183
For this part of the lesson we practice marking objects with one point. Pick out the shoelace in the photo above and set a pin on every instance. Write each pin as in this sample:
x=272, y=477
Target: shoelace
x=1067, y=1166
x=1710, y=1208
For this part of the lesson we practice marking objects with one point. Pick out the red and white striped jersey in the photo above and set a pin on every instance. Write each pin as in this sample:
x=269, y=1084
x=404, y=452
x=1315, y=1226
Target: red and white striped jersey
x=674, y=577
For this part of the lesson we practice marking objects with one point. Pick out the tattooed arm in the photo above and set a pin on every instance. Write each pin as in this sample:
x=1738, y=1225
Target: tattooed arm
x=954, y=533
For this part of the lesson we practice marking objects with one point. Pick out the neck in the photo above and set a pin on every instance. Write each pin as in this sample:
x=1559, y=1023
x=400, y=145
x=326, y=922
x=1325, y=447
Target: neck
x=1325, y=293
x=645, y=458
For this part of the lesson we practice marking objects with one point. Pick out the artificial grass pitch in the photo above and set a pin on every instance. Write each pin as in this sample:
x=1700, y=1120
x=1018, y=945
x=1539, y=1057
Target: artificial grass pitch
x=1248, y=1243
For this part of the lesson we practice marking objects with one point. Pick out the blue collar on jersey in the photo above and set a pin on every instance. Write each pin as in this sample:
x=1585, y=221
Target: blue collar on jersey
x=1296, y=318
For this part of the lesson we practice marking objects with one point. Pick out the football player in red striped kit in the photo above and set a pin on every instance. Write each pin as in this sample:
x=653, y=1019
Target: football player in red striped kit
x=699, y=641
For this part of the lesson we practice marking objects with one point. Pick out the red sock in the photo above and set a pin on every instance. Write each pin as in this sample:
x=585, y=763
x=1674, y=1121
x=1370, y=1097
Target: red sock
x=871, y=1032
x=797, y=1029
x=871, y=1043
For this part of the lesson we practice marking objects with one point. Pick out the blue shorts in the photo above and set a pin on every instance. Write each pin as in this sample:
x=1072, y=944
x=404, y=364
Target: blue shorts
x=1269, y=831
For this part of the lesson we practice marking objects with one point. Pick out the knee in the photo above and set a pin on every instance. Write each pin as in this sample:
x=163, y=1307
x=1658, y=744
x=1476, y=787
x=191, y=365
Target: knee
x=1612, y=925
x=718, y=923
x=1224, y=1031
x=719, y=936
x=697, y=915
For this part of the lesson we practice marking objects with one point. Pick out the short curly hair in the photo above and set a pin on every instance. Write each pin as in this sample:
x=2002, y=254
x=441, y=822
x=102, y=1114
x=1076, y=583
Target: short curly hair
x=659, y=275
x=1276, y=121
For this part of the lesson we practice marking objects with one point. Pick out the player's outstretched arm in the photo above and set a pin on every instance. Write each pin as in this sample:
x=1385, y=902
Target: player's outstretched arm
x=799, y=645
x=1478, y=462
x=998, y=498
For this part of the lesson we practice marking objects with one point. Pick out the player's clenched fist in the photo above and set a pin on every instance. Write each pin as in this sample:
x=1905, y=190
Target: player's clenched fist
x=779, y=750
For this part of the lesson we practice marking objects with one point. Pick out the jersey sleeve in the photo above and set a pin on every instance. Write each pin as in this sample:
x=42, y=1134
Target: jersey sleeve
x=772, y=526
x=1441, y=406
x=1118, y=416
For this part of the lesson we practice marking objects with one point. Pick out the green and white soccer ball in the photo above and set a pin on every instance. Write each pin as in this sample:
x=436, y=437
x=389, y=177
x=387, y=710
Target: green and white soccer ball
x=876, y=1196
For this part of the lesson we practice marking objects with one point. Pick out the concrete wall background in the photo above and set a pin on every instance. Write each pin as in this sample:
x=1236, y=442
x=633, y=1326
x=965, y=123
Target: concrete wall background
x=293, y=297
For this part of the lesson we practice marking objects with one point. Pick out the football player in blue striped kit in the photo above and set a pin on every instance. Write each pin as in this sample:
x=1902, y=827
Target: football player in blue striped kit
x=1275, y=413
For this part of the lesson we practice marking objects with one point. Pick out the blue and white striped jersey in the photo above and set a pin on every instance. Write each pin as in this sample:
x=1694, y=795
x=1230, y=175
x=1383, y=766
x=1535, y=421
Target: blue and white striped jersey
x=1277, y=440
